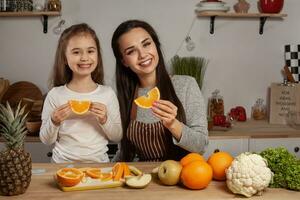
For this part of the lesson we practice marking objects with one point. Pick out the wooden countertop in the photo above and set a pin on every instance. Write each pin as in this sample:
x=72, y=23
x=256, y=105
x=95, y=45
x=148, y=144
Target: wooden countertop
x=256, y=129
x=42, y=186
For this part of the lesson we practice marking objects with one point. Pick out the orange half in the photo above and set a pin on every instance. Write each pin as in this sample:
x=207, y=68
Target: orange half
x=79, y=107
x=147, y=100
x=68, y=177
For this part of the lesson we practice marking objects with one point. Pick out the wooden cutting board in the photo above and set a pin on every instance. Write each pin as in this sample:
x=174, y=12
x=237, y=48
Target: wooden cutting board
x=19, y=90
x=91, y=184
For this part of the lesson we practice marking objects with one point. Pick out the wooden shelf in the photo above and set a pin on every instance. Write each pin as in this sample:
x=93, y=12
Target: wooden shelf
x=262, y=16
x=44, y=15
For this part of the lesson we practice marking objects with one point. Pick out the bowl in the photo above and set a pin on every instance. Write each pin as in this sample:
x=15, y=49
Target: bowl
x=270, y=6
x=293, y=119
x=33, y=126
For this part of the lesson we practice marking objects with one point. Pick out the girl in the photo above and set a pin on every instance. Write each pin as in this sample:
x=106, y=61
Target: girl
x=176, y=124
x=78, y=74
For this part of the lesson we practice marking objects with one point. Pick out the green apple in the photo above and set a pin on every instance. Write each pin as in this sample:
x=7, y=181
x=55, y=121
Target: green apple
x=169, y=172
x=140, y=181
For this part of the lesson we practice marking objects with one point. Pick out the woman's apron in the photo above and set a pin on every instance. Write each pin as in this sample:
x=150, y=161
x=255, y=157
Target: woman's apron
x=151, y=141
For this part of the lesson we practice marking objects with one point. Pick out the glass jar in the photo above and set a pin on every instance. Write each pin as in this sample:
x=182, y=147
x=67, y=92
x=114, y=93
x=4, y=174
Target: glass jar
x=54, y=5
x=216, y=104
x=259, y=110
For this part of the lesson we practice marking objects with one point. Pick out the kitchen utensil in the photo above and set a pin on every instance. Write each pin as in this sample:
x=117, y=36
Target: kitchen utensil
x=288, y=74
x=19, y=90
x=33, y=127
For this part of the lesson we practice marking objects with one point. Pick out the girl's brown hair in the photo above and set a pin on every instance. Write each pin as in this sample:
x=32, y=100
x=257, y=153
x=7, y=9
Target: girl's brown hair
x=62, y=74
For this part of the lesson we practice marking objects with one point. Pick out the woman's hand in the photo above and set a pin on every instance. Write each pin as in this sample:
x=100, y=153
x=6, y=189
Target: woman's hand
x=167, y=112
x=60, y=114
x=100, y=111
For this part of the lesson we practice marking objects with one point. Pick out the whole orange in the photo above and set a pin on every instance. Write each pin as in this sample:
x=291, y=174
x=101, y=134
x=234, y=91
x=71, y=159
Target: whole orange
x=219, y=162
x=196, y=175
x=190, y=158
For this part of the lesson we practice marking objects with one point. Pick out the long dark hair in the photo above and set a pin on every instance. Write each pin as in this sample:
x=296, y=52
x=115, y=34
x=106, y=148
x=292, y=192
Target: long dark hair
x=62, y=74
x=127, y=82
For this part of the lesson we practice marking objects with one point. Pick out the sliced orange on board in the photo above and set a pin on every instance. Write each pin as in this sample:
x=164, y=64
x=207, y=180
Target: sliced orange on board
x=94, y=172
x=147, y=100
x=79, y=107
x=120, y=170
x=68, y=177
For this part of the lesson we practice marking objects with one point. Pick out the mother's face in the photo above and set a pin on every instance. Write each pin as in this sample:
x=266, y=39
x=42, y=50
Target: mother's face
x=139, y=52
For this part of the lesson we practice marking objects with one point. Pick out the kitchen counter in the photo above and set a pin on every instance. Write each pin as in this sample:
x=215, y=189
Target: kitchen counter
x=43, y=187
x=255, y=129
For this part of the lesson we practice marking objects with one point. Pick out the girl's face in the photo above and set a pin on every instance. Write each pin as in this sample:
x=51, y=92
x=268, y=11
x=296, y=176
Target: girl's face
x=139, y=52
x=81, y=55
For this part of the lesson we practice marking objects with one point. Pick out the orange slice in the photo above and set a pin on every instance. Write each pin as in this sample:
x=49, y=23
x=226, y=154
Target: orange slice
x=94, y=172
x=106, y=176
x=68, y=177
x=79, y=107
x=148, y=100
x=126, y=170
x=117, y=171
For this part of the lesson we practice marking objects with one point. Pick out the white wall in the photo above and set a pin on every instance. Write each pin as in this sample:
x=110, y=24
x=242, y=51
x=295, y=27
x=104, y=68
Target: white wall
x=242, y=63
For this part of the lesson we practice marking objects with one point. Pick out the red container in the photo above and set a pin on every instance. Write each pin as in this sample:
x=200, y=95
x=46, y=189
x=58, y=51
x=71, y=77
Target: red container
x=271, y=6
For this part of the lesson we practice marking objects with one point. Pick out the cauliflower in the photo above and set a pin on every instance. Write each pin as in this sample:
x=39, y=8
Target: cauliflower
x=248, y=174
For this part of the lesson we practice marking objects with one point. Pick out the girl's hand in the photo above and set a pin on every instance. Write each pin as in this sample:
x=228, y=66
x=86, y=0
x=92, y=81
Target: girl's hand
x=60, y=114
x=99, y=110
x=167, y=112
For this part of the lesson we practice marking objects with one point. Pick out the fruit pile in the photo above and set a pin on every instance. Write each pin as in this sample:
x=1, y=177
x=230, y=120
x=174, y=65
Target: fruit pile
x=193, y=171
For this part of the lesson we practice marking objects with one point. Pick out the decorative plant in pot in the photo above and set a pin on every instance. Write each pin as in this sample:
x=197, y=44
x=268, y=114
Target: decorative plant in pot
x=15, y=162
x=191, y=66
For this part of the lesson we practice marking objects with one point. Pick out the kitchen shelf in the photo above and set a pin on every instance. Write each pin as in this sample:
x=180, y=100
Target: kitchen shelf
x=262, y=16
x=44, y=15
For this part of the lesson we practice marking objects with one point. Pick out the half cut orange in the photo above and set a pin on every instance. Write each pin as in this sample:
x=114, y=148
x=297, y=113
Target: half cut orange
x=79, y=107
x=69, y=177
x=147, y=100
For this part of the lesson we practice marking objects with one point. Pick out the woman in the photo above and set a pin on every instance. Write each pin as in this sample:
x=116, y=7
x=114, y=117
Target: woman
x=176, y=124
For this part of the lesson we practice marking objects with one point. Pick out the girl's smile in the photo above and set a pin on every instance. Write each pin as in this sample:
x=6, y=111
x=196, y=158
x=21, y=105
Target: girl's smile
x=81, y=55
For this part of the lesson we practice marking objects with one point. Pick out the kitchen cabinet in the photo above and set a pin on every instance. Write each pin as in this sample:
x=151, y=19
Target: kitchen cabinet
x=262, y=17
x=254, y=135
x=259, y=144
x=234, y=146
x=43, y=14
x=40, y=153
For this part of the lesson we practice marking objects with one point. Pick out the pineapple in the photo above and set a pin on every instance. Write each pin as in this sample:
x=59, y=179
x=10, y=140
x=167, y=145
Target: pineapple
x=15, y=163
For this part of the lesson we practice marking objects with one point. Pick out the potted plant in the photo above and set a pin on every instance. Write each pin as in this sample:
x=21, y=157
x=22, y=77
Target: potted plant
x=191, y=66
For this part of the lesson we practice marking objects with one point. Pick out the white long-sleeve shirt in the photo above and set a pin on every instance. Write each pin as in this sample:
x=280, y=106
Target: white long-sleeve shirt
x=81, y=138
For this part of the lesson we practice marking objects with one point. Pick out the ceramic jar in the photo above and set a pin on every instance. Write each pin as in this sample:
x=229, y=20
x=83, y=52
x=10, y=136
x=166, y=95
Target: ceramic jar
x=270, y=6
x=242, y=6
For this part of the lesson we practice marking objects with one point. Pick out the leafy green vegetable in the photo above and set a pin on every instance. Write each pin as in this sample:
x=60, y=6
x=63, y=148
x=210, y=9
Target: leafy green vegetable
x=285, y=166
